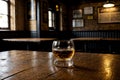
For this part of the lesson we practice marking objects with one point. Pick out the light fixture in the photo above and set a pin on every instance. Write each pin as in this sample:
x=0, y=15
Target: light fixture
x=108, y=4
x=57, y=7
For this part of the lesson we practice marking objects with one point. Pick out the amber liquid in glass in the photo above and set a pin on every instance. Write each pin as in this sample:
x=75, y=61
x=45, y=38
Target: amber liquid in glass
x=63, y=54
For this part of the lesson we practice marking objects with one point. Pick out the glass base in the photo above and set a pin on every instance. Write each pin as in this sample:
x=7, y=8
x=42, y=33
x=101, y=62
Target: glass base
x=64, y=63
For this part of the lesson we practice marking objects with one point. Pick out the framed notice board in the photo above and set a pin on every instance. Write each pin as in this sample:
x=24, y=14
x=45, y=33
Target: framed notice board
x=109, y=15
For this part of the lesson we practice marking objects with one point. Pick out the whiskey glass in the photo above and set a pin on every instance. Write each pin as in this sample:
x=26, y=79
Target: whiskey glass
x=63, y=52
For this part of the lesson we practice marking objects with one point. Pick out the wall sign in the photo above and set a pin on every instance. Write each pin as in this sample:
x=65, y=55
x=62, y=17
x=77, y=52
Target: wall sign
x=88, y=10
x=109, y=15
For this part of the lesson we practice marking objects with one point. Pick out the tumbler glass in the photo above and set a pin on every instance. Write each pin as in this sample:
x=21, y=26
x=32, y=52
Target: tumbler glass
x=63, y=51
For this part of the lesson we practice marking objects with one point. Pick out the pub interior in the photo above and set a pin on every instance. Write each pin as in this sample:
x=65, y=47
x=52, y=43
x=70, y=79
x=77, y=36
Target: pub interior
x=32, y=25
x=62, y=20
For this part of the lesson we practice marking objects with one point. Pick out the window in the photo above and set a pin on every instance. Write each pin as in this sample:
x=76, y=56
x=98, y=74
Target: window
x=4, y=22
x=51, y=20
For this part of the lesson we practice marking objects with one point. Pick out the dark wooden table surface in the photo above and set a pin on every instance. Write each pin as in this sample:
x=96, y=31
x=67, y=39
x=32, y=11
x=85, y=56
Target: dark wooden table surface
x=36, y=65
x=43, y=44
x=28, y=39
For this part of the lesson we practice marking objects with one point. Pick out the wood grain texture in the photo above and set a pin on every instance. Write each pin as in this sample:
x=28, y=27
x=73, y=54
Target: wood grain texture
x=36, y=65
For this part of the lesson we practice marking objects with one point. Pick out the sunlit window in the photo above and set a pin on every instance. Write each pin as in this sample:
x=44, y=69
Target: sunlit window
x=51, y=20
x=4, y=22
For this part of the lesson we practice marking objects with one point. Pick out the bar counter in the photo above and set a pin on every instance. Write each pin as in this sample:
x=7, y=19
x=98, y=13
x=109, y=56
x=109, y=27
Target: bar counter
x=37, y=65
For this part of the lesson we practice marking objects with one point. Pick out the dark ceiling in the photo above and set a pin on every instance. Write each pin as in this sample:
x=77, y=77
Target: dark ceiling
x=78, y=2
x=75, y=2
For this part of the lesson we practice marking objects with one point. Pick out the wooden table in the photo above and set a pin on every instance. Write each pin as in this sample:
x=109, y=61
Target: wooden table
x=28, y=39
x=96, y=39
x=30, y=43
x=104, y=42
x=35, y=65
x=86, y=39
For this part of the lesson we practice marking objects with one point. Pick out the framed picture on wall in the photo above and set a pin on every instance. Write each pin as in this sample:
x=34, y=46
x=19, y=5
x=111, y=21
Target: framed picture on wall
x=109, y=15
x=88, y=10
x=77, y=20
x=77, y=13
x=78, y=23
